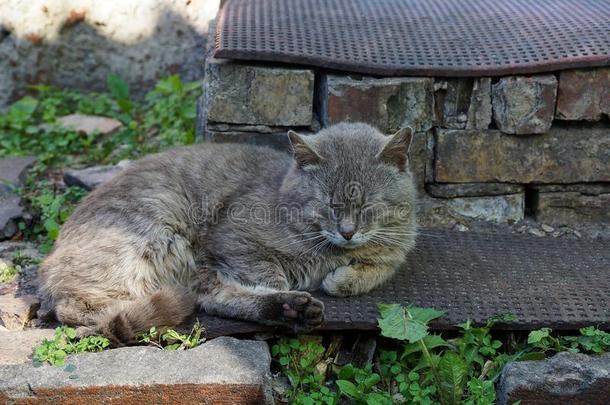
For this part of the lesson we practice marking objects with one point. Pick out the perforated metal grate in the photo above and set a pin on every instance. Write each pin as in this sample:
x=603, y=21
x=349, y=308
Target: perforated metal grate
x=419, y=37
x=563, y=284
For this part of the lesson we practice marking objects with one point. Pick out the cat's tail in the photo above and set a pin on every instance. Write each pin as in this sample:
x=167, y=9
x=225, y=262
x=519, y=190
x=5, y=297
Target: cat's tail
x=122, y=321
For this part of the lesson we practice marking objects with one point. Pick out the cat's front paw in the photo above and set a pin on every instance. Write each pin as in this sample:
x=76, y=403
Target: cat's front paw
x=340, y=283
x=300, y=311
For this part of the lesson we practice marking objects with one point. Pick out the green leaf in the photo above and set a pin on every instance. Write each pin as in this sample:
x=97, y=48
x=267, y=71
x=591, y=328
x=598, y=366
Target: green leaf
x=393, y=321
x=409, y=324
x=346, y=372
x=431, y=342
x=453, y=374
x=536, y=336
x=375, y=398
x=532, y=356
x=119, y=89
x=348, y=388
x=424, y=315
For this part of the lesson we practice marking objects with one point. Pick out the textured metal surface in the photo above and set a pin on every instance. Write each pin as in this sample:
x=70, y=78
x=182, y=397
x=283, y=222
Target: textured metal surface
x=419, y=37
x=563, y=284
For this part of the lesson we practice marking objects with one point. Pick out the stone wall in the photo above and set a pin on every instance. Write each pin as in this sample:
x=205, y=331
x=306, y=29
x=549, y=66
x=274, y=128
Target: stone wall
x=76, y=43
x=498, y=150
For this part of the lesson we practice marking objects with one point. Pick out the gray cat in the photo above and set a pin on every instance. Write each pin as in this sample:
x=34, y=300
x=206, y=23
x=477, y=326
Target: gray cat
x=240, y=231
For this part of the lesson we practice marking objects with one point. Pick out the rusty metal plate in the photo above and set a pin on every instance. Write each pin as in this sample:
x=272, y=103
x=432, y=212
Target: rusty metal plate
x=563, y=284
x=418, y=37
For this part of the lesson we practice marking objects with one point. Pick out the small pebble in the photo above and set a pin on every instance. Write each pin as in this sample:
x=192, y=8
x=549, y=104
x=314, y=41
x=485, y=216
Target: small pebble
x=577, y=234
x=547, y=228
x=461, y=228
x=536, y=232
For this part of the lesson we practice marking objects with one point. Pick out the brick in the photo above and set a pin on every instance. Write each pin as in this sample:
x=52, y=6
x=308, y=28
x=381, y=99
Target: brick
x=563, y=155
x=246, y=94
x=566, y=378
x=387, y=103
x=583, y=94
x=221, y=371
x=524, y=105
x=573, y=205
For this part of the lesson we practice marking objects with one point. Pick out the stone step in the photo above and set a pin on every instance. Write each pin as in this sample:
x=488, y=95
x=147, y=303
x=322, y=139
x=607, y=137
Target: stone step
x=221, y=371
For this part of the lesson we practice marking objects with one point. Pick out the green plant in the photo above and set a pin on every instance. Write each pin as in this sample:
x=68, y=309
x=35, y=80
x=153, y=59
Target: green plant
x=361, y=385
x=53, y=208
x=172, y=340
x=298, y=359
x=65, y=342
x=590, y=340
x=8, y=272
x=424, y=368
x=165, y=118
x=171, y=111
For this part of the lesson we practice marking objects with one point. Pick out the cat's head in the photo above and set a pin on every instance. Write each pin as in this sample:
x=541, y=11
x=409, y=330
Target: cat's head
x=353, y=185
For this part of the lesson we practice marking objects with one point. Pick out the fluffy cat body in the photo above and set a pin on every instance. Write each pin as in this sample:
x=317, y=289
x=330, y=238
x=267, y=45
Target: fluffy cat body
x=241, y=231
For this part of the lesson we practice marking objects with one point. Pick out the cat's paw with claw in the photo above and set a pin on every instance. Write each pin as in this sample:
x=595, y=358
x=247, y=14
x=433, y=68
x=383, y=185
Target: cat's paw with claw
x=300, y=311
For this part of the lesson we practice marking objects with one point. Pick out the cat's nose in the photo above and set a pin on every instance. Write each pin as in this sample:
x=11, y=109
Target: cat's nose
x=347, y=231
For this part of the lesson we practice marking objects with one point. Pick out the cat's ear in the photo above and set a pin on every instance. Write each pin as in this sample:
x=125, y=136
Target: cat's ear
x=304, y=154
x=396, y=150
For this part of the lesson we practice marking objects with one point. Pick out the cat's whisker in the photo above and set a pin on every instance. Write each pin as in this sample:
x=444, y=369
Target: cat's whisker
x=298, y=241
x=314, y=247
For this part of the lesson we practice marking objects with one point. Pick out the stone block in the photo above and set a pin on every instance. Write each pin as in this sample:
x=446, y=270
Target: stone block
x=420, y=158
x=16, y=347
x=92, y=177
x=583, y=94
x=222, y=371
x=566, y=378
x=501, y=209
x=562, y=155
x=524, y=104
x=387, y=103
x=473, y=189
x=480, y=111
x=573, y=205
x=464, y=103
x=447, y=212
x=16, y=312
x=245, y=94
x=274, y=140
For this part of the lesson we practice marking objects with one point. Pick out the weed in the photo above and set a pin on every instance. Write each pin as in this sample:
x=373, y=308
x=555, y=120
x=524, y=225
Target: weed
x=298, y=359
x=52, y=208
x=8, y=272
x=66, y=342
x=165, y=118
x=422, y=368
x=169, y=339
